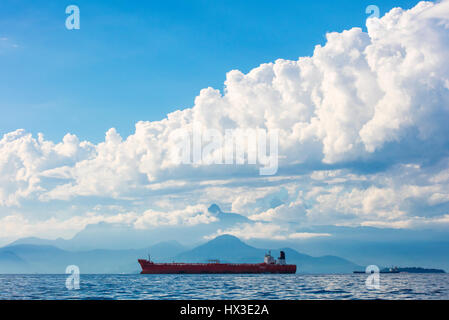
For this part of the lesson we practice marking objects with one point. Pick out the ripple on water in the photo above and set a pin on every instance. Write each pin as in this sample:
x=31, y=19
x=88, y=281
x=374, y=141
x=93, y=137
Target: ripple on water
x=401, y=286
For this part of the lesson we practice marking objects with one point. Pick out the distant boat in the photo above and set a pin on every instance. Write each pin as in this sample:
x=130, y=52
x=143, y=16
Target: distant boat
x=390, y=270
x=270, y=265
x=407, y=270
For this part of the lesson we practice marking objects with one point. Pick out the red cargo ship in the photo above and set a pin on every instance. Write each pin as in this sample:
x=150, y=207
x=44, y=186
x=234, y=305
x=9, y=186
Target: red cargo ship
x=270, y=265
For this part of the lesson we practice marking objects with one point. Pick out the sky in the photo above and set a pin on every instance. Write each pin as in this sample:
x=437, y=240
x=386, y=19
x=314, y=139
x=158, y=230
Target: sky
x=134, y=60
x=91, y=118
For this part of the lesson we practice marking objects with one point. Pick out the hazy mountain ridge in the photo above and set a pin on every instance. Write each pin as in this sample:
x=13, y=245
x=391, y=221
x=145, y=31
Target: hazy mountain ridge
x=364, y=245
x=118, y=236
x=28, y=258
x=31, y=258
x=228, y=248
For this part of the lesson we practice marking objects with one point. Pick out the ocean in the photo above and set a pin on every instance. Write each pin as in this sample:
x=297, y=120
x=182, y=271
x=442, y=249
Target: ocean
x=295, y=286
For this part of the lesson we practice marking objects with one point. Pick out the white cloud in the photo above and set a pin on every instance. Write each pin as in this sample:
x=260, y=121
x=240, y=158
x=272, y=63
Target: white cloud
x=362, y=98
x=261, y=230
x=24, y=160
x=290, y=212
x=307, y=235
x=191, y=215
x=17, y=226
x=253, y=231
x=441, y=222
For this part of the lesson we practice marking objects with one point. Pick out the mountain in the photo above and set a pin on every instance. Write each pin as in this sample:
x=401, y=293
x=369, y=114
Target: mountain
x=118, y=236
x=34, y=258
x=323, y=264
x=370, y=245
x=365, y=245
x=165, y=251
x=12, y=263
x=38, y=241
x=31, y=258
x=227, y=219
x=227, y=248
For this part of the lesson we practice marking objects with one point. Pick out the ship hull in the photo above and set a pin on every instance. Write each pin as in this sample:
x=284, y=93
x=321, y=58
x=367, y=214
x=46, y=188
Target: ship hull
x=208, y=268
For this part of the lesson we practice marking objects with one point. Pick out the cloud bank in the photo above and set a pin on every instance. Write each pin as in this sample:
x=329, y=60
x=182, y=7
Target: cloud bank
x=374, y=102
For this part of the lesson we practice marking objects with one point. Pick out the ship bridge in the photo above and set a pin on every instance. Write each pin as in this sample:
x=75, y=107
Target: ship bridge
x=269, y=259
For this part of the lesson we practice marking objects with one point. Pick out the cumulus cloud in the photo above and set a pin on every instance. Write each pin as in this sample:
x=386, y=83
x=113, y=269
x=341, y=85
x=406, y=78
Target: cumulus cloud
x=362, y=98
x=17, y=225
x=191, y=215
x=25, y=161
x=260, y=230
x=14, y=226
x=307, y=235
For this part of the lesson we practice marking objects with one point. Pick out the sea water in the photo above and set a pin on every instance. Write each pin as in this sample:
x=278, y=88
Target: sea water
x=274, y=286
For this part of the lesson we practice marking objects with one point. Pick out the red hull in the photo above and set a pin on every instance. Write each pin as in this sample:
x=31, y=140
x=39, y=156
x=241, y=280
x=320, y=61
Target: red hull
x=196, y=268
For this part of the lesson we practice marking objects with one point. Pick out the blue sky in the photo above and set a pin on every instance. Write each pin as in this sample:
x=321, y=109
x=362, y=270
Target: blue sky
x=139, y=60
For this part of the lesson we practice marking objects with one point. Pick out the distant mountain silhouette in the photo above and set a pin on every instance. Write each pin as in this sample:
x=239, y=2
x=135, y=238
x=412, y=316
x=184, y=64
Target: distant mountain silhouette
x=60, y=243
x=227, y=219
x=366, y=245
x=118, y=236
x=214, y=208
x=29, y=258
x=228, y=248
x=12, y=263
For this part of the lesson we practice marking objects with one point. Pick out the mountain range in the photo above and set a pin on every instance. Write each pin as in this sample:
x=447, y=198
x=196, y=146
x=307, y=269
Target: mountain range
x=33, y=258
x=119, y=236
x=362, y=245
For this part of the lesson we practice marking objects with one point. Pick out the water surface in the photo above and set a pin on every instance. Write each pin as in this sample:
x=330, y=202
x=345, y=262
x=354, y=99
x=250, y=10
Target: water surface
x=295, y=286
